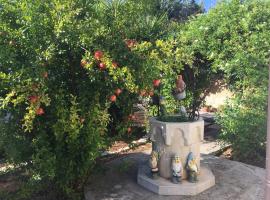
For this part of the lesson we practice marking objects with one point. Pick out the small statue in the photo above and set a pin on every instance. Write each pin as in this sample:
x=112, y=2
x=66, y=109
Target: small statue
x=153, y=163
x=179, y=91
x=192, y=168
x=177, y=169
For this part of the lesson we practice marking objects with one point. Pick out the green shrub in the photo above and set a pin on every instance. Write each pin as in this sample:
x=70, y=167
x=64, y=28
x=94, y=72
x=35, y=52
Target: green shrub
x=234, y=37
x=243, y=121
x=61, y=63
x=58, y=95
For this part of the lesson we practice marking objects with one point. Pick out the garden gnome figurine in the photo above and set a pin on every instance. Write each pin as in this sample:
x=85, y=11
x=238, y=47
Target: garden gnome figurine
x=177, y=169
x=179, y=91
x=192, y=168
x=153, y=163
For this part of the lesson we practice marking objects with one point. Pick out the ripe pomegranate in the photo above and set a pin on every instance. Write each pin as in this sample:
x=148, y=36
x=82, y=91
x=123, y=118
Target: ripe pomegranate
x=118, y=91
x=113, y=98
x=40, y=111
x=156, y=82
x=98, y=55
x=102, y=66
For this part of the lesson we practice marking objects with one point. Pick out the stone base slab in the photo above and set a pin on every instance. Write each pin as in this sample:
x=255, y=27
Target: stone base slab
x=163, y=186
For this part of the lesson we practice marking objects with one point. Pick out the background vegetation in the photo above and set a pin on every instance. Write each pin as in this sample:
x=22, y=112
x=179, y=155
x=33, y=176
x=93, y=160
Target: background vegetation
x=70, y=73
x=234, y=38
x=71, y=70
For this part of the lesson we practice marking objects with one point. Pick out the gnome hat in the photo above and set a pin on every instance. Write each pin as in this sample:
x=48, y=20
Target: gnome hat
x=189, y=158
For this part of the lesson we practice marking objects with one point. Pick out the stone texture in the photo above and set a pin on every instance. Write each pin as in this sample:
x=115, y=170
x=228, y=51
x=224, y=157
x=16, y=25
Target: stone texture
x=171, y=138
x=163, y=186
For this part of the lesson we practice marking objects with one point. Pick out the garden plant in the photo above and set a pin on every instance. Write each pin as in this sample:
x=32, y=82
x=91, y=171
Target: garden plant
x=71, y=71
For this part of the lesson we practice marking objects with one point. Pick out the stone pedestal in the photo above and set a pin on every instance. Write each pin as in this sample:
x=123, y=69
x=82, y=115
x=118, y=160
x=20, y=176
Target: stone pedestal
x=171, y=138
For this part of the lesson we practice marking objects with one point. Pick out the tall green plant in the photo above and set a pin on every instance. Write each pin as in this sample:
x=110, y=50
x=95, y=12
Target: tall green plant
x=61, y=65
x=234, y=38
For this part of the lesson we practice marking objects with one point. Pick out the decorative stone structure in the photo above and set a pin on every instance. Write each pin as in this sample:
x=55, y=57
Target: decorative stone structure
x=170, y=139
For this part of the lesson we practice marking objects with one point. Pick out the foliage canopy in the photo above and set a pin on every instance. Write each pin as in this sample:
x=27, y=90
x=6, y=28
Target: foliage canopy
x=70, y=72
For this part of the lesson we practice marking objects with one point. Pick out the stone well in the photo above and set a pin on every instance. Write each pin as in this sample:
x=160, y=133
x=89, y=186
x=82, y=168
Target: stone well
x=170, y=139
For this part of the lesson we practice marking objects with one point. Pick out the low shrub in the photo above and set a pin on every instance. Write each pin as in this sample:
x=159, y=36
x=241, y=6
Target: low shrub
x=243, y=120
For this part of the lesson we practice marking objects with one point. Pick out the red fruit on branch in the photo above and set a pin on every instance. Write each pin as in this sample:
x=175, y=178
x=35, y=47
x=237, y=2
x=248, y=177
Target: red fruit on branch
x=98, y=55
x=83, y=62
x=118, y=91
x=40, y=111
x=102, y=66
x=113, y=98
x=33, y=99
x=114, y=64
x=156, y=82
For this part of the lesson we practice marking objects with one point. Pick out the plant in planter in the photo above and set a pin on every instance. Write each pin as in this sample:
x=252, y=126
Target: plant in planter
x=179, y=94
x=178, y=134
x=172, y=135
x=176, y=139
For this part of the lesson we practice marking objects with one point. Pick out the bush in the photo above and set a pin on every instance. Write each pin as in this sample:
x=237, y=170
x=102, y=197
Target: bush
x=243, y=121
x=70, y=73
x=61, y=63
x=234, y=38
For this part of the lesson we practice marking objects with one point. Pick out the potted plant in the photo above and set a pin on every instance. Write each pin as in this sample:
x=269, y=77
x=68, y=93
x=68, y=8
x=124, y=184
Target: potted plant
x=178, y=134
